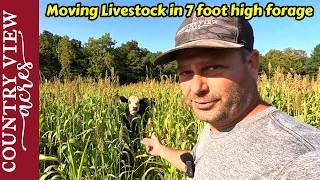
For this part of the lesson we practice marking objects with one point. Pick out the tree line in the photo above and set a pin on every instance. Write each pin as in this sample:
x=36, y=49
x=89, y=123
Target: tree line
x=292, y=61
x=65, y=58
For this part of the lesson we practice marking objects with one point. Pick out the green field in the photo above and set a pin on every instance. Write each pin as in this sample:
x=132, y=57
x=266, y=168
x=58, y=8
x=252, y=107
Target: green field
x=81, y=136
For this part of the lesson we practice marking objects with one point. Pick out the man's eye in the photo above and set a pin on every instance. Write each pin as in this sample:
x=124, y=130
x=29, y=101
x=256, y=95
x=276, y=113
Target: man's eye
x=185, y=73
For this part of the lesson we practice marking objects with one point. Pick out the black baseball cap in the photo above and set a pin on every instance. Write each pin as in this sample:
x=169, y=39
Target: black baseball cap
x=210, y=32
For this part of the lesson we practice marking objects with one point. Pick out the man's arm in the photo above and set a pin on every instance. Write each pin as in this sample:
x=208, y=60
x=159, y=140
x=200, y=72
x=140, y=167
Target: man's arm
x=155, y=148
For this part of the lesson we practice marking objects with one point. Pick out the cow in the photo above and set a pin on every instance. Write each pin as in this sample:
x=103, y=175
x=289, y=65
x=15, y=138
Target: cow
x=136, y=111
x=135, y=119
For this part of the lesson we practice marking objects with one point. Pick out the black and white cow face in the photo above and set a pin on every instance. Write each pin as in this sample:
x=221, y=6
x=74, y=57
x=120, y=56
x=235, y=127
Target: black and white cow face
x=133, y=104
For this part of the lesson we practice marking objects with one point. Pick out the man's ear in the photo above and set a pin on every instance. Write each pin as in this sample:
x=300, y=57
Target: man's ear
x=254, y=63
x=123, y=99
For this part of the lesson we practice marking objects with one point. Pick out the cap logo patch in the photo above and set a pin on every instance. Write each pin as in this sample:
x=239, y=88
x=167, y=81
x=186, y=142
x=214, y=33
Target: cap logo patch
x=197, y=25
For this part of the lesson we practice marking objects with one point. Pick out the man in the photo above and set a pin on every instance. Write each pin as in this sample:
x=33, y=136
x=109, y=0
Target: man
x=244, y=137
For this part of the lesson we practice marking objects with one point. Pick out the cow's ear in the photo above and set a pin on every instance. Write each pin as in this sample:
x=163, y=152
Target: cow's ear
x=123, y=99
x=144, y=101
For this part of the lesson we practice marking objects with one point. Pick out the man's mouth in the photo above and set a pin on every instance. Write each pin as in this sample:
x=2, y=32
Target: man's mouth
x=205, y=105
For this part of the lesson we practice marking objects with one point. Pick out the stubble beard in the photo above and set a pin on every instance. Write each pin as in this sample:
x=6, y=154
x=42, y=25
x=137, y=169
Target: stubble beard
x=227, y=110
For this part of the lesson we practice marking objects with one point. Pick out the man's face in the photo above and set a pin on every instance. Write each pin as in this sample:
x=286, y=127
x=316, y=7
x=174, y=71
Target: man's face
x=218, y=84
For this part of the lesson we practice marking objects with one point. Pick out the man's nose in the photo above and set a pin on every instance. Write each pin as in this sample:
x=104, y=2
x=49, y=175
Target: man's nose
x=199, y=85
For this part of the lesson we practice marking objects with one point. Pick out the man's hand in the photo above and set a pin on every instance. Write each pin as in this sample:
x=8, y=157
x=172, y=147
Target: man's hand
x=153, y=145
x=155, y=148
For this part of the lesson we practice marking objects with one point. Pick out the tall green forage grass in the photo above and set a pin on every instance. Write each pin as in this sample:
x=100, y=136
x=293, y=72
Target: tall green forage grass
x=82, y=137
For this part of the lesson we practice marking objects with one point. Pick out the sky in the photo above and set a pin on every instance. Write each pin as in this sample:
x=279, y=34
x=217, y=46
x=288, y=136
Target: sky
x=157, y=33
